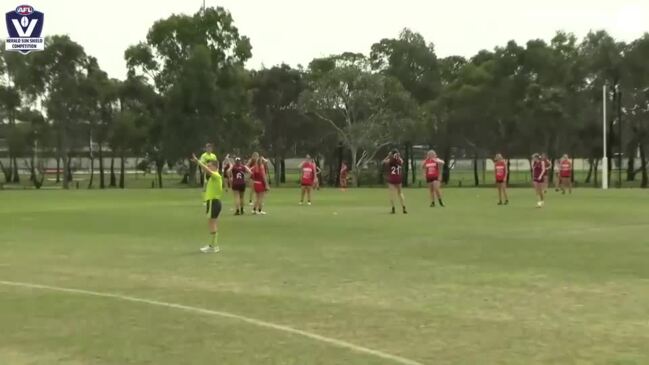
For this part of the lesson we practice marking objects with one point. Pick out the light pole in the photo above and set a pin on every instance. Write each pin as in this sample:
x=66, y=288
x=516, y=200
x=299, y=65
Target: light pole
x=604, y=140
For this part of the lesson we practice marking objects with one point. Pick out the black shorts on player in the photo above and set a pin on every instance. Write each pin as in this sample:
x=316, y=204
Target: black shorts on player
x=213, y=208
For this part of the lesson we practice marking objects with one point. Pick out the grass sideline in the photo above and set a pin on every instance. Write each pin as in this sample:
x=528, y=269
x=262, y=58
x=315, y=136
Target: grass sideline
x=469, y=284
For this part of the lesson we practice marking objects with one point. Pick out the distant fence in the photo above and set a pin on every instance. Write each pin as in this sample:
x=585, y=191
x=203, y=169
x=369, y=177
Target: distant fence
x=462, y=172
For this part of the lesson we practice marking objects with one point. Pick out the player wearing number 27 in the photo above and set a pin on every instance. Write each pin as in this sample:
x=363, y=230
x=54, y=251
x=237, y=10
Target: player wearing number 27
x=394, y=163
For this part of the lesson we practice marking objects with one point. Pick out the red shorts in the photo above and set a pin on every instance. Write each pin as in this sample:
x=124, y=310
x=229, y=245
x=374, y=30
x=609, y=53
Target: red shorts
x=430, y=179
x=539, y=180
x=500, y=181
x=260, y=187
x=565, y=176
x=394, y=181
x=307, y=183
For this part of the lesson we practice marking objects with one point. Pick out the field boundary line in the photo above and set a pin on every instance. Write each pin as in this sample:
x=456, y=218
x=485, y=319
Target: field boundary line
x=252, y=321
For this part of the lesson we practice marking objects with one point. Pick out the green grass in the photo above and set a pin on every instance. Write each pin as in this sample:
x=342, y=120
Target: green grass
x=469, y=284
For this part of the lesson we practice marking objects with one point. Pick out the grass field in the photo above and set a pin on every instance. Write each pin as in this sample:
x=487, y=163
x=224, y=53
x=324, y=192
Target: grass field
x=472, y=283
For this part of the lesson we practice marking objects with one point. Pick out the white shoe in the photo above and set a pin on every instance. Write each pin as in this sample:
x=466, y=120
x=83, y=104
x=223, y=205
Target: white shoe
x=262, y=213
x=309, y=203
x=209, y=249
x=250, y=204
x=254, y=212
x=300, y=203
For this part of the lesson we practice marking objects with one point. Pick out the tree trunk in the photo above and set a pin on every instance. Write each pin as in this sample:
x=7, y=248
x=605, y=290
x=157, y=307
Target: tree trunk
x=32, y=172
x=159, y=164
x=113, y=178
x=509, y=170
x=278, y=169
x=333, y=175
x=59, y=154
x=10, y=170
x=446, y=168
x=590, y=171
x=476, y=178
x=69, y=173
x=102, y=183
x=92, y=170
x=37, y=180
x=66, y=172
x=282, y=167
x=406, y=167
x=355, y=169
x=595, y=164
x=630, y=168
x=643, y=167
x=413, y=167
x=58, y=168
x=191, y=177
x=316, y=160
x=6, y=172
x=121, y=171
x=15, y=175
x=552, y=166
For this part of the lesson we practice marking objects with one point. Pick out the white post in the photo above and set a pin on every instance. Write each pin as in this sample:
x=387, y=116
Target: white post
x=604, y=157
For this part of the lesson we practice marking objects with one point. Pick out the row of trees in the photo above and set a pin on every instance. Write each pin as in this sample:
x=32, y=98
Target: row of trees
x=187, y=84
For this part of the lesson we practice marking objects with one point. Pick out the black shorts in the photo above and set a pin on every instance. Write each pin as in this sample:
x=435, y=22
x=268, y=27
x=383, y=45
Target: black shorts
x=213, y=208
x=239, y=187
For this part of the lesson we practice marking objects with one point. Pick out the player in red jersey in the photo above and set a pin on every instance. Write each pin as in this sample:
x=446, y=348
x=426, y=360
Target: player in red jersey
x=547, y=164
x=432, y=166
x=251, y=163
x=238, y=172
x=259, y=184
x=394, y=164
x=308, y=179
x=538, y=174
x=565, y=174
x=344, y=173
x=501, y=172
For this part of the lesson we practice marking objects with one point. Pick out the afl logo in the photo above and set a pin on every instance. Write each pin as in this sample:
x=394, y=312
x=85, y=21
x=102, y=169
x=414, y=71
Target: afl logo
x=24, y=10
x=25, y=27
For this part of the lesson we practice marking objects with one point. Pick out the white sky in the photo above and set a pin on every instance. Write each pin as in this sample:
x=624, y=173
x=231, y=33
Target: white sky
x=295, y=31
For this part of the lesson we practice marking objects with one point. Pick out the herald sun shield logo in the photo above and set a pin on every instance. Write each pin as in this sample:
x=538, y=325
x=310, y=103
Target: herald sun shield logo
x=25, y=26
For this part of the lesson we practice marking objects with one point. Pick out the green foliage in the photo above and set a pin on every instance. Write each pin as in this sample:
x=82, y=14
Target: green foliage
x=187, y=84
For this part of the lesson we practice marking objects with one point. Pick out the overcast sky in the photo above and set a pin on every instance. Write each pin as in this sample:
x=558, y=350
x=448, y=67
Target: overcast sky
x=295, y=32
